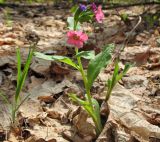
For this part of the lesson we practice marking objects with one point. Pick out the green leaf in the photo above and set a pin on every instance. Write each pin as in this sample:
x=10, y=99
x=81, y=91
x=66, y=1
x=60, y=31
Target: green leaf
x=115, y=78
x=24, y=74
x=86, y=54
x=76, y=15
x=100, y=61
x=109, y=83
x=115, y=74
x=126, y=68
x=86, y=16
x=18, y=66
x=77, y=100
x=97, y=112
x=74, y=8
x=71, y=23
x=58, y=58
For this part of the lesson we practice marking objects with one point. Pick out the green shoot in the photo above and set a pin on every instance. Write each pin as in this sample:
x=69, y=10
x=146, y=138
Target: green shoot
x=21, y=77
x=115, y=78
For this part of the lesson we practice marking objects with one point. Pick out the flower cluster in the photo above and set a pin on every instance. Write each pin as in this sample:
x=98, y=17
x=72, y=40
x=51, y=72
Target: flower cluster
x=77, y=38
x=99, y=15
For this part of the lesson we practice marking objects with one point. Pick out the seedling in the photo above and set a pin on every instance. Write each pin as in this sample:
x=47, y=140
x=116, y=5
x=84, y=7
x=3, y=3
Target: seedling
x=21, y=77
x=115, y=78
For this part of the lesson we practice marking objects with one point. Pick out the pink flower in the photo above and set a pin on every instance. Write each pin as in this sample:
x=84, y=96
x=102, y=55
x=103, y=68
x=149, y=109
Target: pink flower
x=76, y=38
x=93, y=7
x=99, y=14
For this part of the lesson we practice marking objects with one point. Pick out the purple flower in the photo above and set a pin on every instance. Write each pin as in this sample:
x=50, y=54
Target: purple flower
x=93, y=7
x=82, y=7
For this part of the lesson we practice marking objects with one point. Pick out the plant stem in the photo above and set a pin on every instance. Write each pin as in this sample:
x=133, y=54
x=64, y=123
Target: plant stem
x=92, y=113
x=108, y=94
x=84, y=79
x=13, y=114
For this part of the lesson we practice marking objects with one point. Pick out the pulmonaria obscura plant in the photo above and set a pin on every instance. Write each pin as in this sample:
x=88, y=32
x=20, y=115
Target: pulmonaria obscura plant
x=77, y=38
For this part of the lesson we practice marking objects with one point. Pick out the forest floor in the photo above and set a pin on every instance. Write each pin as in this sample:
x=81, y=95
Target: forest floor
x=49, y=115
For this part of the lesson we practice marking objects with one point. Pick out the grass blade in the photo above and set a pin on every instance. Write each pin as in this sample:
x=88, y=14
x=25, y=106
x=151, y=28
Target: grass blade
x=18, y=66
x=24, y=74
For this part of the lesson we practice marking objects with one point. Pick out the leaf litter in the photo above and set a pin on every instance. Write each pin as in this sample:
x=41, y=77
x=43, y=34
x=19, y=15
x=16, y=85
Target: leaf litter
x=48, y=115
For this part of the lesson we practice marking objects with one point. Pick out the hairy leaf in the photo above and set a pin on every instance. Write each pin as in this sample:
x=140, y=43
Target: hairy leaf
x=86, y=54
x=86, y=16
x=74, y=9
x=58, y=58
x=100, y=61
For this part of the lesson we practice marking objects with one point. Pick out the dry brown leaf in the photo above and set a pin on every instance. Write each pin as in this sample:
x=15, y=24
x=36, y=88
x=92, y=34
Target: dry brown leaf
x=59, y=70
x=84, y=125
x=47, y=99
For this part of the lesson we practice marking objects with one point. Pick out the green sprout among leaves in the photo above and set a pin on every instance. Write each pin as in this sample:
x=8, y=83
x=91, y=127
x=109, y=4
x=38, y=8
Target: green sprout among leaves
x=21, y=77
x=115, y=78
x=96, y=64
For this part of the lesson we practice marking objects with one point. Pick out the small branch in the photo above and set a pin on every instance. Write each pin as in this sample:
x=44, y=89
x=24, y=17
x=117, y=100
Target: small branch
x=131, y=32
x=117, y=54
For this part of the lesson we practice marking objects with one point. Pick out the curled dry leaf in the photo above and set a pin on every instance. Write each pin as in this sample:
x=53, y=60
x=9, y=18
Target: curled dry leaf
x=109, y=133
x=72, y=136
x=84, y=125
x=59, y=110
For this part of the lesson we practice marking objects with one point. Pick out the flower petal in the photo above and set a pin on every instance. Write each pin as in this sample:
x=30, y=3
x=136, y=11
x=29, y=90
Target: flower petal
x=76, y=38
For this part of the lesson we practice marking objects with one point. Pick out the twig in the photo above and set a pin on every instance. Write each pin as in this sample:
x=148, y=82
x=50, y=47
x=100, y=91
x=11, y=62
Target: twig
x=131, y=32
x=127, y=39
